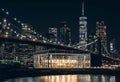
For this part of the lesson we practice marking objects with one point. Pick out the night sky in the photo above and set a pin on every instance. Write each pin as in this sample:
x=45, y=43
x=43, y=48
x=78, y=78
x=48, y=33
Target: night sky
x=45, y=14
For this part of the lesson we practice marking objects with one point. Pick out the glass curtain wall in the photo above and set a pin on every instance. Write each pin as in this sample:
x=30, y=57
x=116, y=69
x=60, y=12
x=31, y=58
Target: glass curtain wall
x=61, y=60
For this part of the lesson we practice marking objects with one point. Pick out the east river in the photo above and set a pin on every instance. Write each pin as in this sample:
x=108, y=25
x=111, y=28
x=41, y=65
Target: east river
x=67, y=78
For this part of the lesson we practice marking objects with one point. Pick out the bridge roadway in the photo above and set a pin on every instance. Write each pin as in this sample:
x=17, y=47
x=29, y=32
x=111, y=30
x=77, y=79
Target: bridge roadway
x=8, y=38
x=37, y=42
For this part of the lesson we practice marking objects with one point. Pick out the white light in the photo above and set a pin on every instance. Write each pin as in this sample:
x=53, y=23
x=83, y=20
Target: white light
x=3, y=9
x=6, y=33
x=40, y=36
x=18, y=21
x=7, y=13
x=0, y=23
x=34, y=39
x=30, y=37
x=29, y=29
x=9, y=24
x=58, y=42
x=11, y=29
x=8, y=27
x=15, y=19
x=22, y=36
x=22, y=24
x=44, y=41
x=4, y=20
x=26, y=26
x=14, y=31
x=34, y=32
x=17, y=35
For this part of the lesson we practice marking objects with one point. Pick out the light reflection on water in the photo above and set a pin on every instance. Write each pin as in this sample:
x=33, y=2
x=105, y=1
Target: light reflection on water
x=66, y=78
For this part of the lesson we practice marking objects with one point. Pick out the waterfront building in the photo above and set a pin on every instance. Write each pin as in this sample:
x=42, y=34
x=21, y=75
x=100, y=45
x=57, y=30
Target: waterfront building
x=52, y=34
x=82, y=30
x=61, y=59
x=65, y=33
x=101, y=33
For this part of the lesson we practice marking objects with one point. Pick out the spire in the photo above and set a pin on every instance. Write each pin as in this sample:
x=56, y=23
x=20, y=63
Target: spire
x=83, y=8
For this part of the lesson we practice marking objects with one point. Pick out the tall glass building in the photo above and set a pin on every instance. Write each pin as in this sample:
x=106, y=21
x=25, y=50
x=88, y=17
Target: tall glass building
x=82, y=30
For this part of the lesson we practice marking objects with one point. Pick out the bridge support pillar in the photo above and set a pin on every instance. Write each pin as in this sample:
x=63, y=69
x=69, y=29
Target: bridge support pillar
x=96, y=59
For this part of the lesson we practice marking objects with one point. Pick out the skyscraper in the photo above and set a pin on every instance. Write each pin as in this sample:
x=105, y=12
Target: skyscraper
x=101, y=32
x=65, y=34
x=53, y=34
x=82, y=30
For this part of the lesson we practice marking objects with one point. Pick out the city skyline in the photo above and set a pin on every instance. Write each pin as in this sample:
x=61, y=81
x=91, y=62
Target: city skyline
x=45, y=14
x=42, y=39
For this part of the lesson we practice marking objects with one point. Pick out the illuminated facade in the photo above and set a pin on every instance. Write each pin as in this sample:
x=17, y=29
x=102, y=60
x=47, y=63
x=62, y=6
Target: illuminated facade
x=82, y=30
x=61, y=60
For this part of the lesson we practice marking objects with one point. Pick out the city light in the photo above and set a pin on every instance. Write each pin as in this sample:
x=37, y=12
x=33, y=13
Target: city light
x=26, y=26
x=18, y=21
x=3, y=9
x=17, y=35
x=4, y=20
x=22, y=24
x=15, y=19
x=11, y=30
x=7, y=13
x=9, y=24
x=15, y=32
x=34, y=39
x=8, y=28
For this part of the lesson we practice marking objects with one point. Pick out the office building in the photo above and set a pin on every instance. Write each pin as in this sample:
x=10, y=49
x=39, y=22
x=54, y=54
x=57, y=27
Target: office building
x=101, y=32
x=82, y=30
x=65, y=33
x=53, y=34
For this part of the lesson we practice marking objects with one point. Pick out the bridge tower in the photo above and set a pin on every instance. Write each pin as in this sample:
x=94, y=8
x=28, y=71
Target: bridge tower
x=101, y=33
x=96, y=59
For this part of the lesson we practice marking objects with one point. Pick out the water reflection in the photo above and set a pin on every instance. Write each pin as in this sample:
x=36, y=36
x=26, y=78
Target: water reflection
x=66, y=78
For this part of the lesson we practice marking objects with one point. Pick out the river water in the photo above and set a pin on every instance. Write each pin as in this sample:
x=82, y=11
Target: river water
x=67, y=78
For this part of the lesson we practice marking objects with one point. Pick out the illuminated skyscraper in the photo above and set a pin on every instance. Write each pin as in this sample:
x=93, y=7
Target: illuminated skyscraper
x=82, y=30
x=101, y=32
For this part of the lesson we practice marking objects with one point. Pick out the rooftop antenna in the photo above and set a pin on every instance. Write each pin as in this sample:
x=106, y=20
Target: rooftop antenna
x=83, y=8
